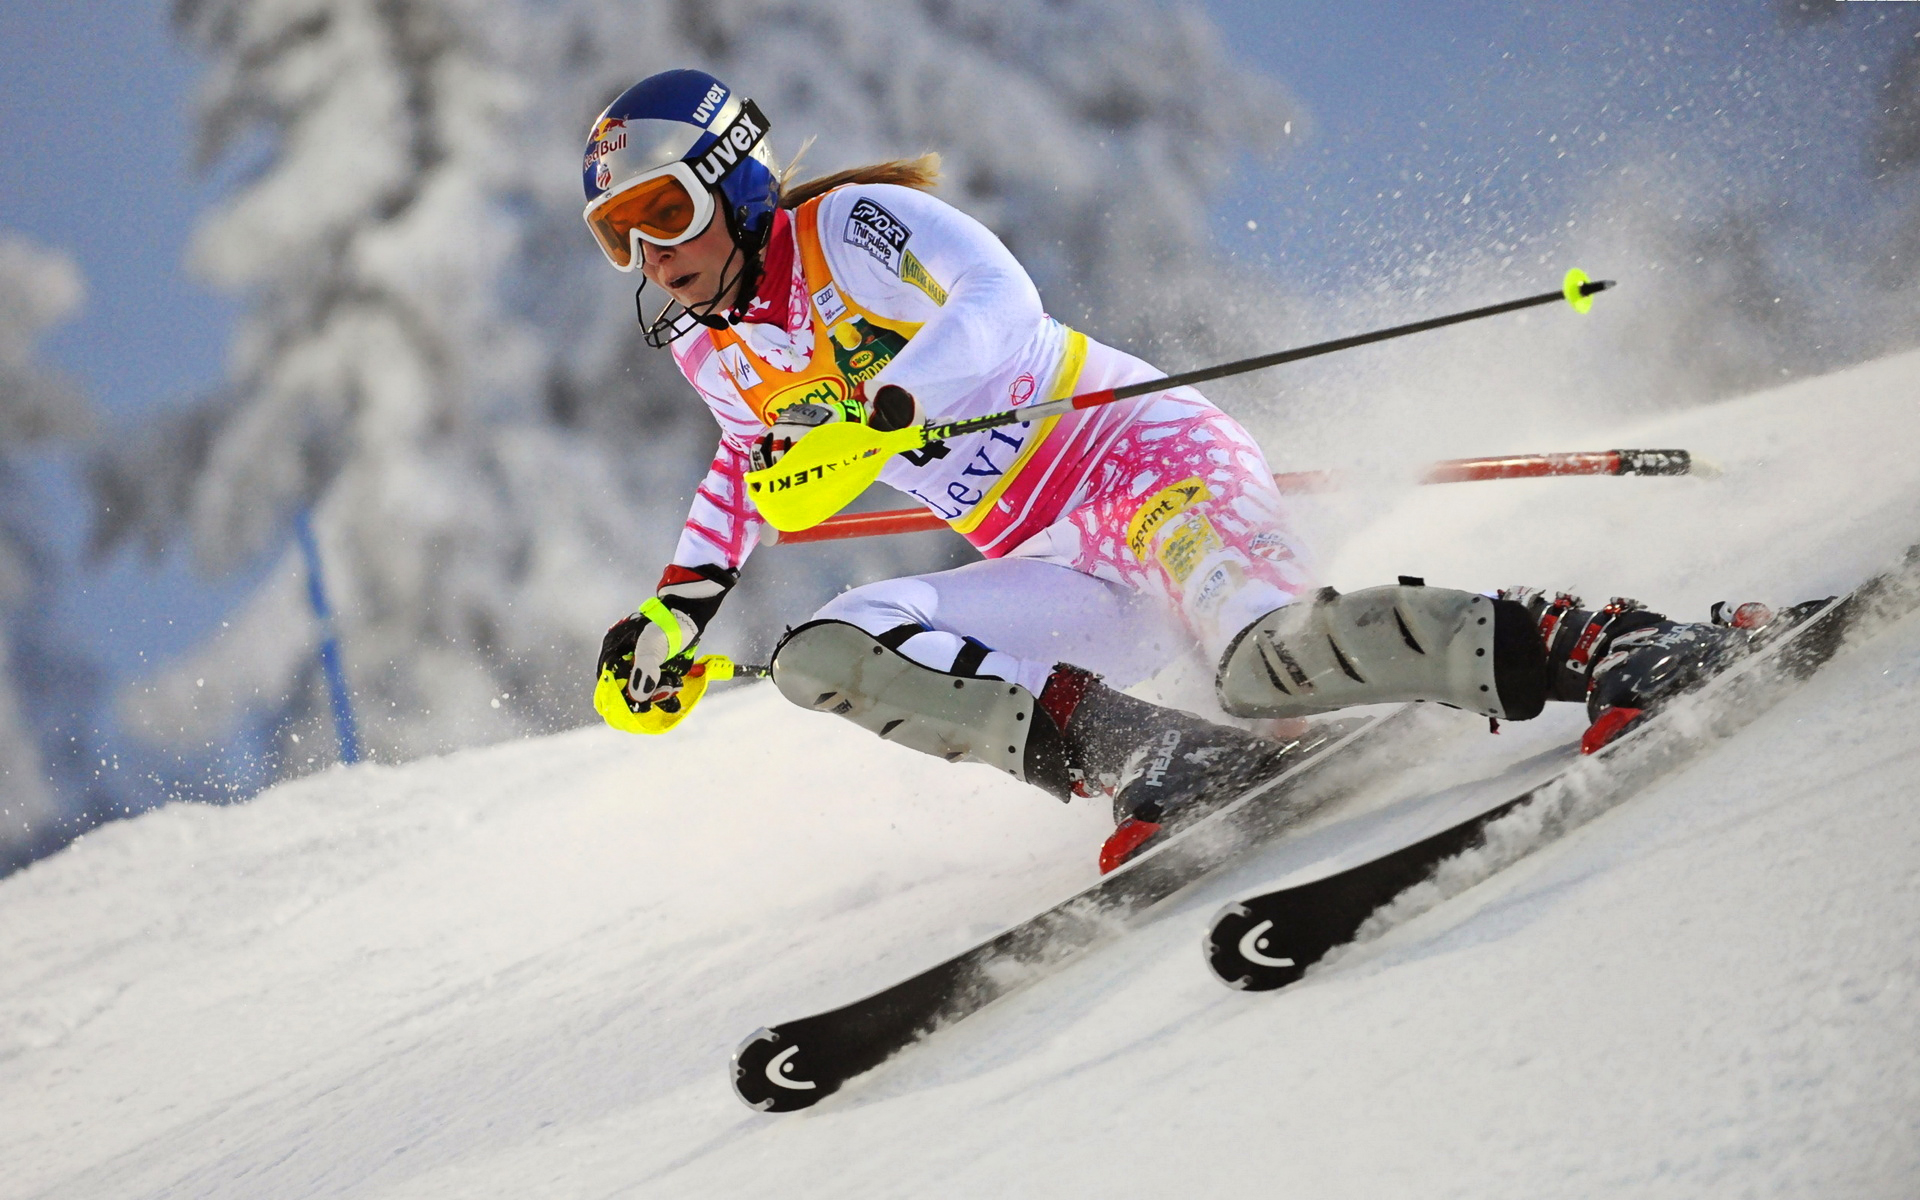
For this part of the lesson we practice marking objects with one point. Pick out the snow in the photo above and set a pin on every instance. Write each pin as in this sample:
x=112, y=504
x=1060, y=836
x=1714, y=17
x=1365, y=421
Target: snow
x=520, y=970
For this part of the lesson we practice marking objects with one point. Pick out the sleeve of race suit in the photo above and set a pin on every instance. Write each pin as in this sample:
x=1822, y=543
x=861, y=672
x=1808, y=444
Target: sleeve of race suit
x=722, y=525
x=906, y=256
x=719, y=534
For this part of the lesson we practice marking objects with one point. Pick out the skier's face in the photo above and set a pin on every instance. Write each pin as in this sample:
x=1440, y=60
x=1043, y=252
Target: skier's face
x=693, y=271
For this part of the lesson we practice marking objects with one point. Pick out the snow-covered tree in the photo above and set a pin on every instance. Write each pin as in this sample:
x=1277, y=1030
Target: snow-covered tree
x=439, y=365
x=375, y=381
x=38, y=289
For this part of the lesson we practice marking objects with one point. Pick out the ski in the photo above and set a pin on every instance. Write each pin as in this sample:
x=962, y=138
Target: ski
x=798, y=1063
x=1268, y=941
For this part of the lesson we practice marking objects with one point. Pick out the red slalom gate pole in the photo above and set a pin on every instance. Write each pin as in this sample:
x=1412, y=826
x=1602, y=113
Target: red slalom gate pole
x=854, y=525
x=1452, y=470
x=1536, y=466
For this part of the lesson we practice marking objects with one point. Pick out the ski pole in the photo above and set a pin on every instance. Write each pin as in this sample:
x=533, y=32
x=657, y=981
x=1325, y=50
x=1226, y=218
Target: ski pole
x=833, y=464
x=1452, y=470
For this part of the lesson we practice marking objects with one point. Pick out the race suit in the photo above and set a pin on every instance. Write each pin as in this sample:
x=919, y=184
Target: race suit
x=1115, y=537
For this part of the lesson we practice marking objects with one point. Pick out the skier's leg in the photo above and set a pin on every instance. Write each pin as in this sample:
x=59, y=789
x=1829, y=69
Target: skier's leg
x=968, y=664
x=892, y=658
x=1504, y=656
x=1184, y=506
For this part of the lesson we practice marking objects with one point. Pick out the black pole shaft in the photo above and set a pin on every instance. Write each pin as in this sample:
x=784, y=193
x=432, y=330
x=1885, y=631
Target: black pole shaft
x=952, y=429
x=1203, y=374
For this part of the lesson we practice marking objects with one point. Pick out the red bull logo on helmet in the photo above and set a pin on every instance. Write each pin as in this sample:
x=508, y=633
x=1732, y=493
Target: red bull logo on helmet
x=609, y=134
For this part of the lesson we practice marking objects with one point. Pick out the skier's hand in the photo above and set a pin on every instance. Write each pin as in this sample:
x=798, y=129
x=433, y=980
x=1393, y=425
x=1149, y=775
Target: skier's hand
x=647, y=654
x=789, y=426
x=650, y=651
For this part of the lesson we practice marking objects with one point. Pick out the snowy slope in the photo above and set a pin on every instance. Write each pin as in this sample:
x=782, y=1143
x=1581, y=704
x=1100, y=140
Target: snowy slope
x=520, y=971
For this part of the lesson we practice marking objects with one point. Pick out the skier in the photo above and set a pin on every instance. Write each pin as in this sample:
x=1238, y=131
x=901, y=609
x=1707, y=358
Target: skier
x=1114, y=538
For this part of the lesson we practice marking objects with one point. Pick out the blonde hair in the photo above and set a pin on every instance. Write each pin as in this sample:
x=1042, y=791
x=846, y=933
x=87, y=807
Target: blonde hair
x=922, y=172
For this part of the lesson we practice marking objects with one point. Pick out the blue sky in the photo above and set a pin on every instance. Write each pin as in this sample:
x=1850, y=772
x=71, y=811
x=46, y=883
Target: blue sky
x=96, y=137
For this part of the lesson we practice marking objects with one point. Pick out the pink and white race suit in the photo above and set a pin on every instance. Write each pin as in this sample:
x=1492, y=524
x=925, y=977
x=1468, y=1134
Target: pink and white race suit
x=1115, y=537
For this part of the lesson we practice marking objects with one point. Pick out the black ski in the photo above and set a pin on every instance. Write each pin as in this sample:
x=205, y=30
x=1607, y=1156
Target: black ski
x=1269, y=940
x=798, y=1063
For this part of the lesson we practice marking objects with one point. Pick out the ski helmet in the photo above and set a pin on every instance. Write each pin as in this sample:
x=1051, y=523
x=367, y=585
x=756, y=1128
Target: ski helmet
x=660, y=151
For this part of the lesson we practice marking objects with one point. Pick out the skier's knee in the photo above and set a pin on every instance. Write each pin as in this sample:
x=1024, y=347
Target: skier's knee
x=1387, y=644
x=882, y=606
x=895, y=612
x=833, y=666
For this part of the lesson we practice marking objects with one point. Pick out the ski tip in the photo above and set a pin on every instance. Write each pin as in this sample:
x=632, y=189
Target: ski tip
x=767, y=1079
x=1702, y=467
x=1220, y=965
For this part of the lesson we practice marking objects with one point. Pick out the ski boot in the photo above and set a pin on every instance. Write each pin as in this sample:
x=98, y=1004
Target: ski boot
x=1624, y=662
x=1164, y=768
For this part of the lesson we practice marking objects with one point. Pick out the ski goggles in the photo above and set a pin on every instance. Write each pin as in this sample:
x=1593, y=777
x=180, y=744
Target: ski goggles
x=672, y=204
x=666, y=206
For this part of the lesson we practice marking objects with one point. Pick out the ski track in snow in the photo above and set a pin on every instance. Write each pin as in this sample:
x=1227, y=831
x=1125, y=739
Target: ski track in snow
x=520, y=971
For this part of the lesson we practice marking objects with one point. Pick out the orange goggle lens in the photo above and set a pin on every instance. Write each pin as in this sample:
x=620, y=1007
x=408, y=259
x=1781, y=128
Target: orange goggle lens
x=661, y=208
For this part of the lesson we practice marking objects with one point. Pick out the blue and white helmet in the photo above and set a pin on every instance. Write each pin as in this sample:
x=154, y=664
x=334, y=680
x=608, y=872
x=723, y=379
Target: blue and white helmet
x=686, y=117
